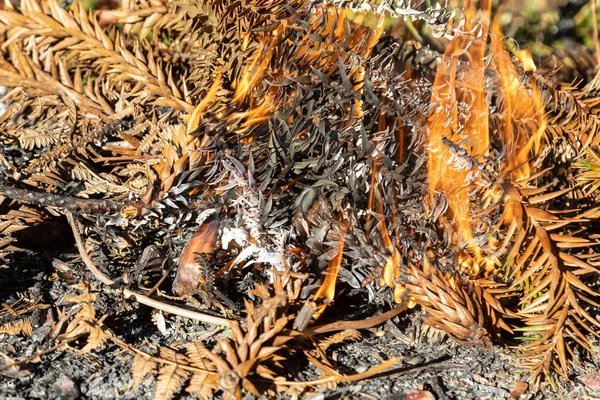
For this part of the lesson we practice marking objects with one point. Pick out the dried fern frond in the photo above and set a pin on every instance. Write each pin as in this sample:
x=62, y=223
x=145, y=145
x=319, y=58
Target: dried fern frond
x=84, y=325
x=170, y=376
x=328, y=152
x=76, y=35
x=228, y=367
x=20, y=327
x=589, y=176
x=575, y=114
x=143, y=364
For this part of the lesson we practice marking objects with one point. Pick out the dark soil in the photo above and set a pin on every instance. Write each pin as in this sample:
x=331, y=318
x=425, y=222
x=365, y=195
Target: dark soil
x=432, y=366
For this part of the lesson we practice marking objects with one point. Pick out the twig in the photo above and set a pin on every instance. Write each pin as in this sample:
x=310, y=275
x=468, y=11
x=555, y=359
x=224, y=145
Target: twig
x=361, y=324
x=378, y=372
x=160, y=281
x=140, y=298
x=428, y=367
x=40, y=354
x=345, y=378
x=70, y=204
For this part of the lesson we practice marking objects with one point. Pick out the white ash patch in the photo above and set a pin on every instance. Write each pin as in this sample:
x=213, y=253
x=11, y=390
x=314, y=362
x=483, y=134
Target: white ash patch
x=3, y=105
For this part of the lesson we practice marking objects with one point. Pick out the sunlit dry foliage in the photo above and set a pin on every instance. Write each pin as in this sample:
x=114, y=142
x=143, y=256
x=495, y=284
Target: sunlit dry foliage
x=307, y=151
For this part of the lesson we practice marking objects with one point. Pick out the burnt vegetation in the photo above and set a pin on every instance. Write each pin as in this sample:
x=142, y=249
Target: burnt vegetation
x=292, y=170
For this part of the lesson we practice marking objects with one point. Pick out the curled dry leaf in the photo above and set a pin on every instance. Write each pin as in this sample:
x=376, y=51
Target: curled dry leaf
x=191, y=273
x=519, y=389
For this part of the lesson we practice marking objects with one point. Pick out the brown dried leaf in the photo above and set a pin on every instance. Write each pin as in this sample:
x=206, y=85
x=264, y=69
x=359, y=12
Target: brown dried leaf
x=190, y=273
x=142, y=365
x=170, y=376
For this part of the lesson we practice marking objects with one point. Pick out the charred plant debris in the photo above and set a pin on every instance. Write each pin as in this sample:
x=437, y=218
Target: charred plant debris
x=269, y=166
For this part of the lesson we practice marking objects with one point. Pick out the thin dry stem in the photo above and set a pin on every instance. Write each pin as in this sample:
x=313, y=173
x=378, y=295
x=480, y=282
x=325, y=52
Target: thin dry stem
x=595, y=30
x=140, y=298
x=345, y=378
x=362, y=324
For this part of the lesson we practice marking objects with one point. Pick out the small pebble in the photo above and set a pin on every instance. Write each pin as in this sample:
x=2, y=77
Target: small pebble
x=360, y=369
x=592, y=380
x=415, y=395
x=520, y=388
x=66, y=389
x=479, y=379
x=415, y=360
x=40, y=333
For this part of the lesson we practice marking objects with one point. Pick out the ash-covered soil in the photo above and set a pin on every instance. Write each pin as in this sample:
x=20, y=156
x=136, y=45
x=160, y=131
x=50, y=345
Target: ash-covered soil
x=432, y=366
